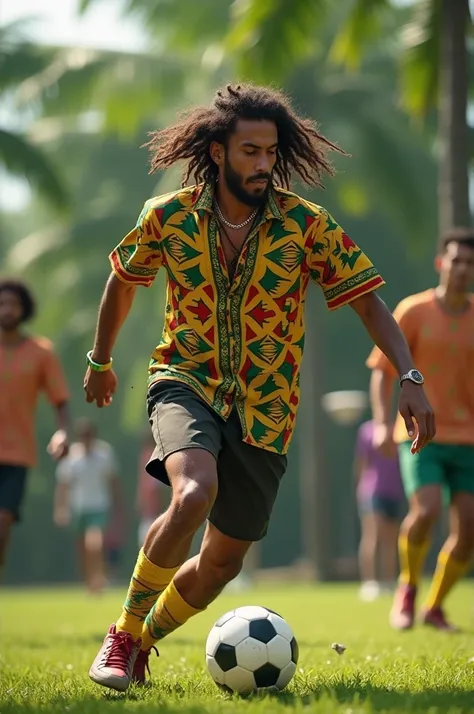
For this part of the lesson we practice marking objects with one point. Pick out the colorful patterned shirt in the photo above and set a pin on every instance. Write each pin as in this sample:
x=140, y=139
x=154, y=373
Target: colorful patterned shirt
x=240, y=342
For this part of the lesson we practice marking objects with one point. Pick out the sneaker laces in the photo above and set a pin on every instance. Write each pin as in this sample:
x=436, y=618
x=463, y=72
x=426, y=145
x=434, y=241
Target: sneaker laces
x=142, y=662
x=119, y=651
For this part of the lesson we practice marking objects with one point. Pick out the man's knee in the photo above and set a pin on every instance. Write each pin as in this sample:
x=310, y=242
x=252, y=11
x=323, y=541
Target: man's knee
x=428, y=515
x=194, y=485
x=426, y=508
x=219, y=570
x=94, y=540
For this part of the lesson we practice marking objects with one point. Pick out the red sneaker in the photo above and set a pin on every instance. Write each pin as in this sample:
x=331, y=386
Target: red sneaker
x=436, y=618
x=115, y=660
x=142, y=666
x=402, y=614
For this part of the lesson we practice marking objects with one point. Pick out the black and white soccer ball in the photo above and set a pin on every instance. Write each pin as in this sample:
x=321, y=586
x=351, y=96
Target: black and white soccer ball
x=251, y=648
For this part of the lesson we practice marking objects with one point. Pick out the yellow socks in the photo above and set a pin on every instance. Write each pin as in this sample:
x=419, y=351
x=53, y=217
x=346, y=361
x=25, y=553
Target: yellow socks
x=147, y=583
x=412, y=557
x=448, y=572
x=168, y=613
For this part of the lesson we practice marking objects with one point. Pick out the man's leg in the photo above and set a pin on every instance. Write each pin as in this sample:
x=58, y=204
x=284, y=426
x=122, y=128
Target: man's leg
x=422, y=475
x=368, y=553
x=455, y=556
x=188, y=437
x=415, y=532
x=95, y=557
x=7, y=519
x=249, y=478
x=388, y=534
x=193, y=475
x=12, y=489
x=197, y=583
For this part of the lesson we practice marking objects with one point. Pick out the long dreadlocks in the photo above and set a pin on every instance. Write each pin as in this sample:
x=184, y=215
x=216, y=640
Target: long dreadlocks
x=301, y=148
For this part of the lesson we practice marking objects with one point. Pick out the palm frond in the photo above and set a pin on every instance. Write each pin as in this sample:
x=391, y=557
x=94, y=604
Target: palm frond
x=360, y=27
x=124, y=88
x=19, y=61
x=421, y=59
x=24, y=159
x=269, y=36
x=182, y=25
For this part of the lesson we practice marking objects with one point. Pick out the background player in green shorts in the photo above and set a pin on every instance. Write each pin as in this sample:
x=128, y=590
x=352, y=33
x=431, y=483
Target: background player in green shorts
x=439, y=327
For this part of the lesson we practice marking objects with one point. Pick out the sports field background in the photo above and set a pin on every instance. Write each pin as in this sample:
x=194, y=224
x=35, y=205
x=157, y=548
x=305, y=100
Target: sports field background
x=49, y=638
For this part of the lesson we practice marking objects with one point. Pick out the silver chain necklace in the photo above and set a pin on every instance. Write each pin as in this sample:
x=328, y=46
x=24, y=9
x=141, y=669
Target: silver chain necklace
x=235, y=226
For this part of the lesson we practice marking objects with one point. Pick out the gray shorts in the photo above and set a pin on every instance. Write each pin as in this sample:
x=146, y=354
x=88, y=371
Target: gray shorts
x=248, y=477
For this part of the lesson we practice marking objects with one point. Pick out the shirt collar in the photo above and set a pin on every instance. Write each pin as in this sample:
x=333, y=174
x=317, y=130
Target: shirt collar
x=204, y=201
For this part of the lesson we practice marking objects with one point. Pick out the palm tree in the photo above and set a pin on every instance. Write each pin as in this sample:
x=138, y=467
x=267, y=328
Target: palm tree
x=19, y=62
x=433, y=68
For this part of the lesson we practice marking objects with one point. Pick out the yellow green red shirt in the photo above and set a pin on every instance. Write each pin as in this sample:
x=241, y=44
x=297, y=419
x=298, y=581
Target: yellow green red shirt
x=240, y=342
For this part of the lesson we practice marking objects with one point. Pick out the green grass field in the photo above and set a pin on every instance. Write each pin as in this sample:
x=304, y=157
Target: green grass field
x=48, y=639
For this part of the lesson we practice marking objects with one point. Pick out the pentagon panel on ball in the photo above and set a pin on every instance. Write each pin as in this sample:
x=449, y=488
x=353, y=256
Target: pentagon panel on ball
x=251, y=648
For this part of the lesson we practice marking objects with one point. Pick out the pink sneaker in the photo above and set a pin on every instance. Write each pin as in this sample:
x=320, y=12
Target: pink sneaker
x=437, y=619
x=115, y=660
x=402, y=614
x=142, y=666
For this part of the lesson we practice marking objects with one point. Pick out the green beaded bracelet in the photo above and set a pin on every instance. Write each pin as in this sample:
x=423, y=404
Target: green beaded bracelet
x=96, y=366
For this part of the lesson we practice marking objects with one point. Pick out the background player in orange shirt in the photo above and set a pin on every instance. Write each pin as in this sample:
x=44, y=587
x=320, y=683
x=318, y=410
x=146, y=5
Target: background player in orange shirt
x=28, y=366
x=439, y=327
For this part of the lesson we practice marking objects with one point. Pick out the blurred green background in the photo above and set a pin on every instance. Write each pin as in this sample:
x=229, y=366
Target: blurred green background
x=389, y=81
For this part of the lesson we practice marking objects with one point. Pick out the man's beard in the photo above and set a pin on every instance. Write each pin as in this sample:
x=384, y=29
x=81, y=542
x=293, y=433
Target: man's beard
x=235, y=185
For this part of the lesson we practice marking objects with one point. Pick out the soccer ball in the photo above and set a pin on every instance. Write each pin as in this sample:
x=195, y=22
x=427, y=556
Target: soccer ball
x=251, y=648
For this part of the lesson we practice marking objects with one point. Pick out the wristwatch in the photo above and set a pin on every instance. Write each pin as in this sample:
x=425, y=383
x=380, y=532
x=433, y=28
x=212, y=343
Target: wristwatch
x=413, y=375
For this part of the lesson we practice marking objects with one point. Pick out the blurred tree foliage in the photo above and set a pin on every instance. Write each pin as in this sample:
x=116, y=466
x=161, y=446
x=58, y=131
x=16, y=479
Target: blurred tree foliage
x=20, y=63
x=90, y=118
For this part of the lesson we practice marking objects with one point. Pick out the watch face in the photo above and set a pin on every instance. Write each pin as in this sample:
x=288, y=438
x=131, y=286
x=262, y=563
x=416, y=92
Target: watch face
x=416, y=376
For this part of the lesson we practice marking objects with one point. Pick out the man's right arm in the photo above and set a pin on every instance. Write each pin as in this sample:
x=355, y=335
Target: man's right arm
x=135, y=261
x=114, y=307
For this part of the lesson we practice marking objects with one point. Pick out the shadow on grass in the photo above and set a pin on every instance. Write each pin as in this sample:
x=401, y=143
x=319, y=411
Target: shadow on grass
x=383, y=698
x=376, y=699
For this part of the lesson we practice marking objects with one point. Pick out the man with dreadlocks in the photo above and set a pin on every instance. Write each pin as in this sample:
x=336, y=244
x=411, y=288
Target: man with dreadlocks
x=238, y=252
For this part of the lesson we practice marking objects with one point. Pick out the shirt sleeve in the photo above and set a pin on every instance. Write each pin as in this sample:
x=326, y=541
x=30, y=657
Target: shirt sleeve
x=53, y=380
x=403, y=314
x=137, y=259
x=338, y=265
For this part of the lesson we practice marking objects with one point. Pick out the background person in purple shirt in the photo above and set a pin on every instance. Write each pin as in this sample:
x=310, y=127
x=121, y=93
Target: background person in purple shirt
x=381, y=505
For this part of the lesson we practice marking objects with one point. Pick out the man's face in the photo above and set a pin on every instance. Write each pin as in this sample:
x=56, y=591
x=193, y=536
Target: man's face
x=456, y=267
x=11, y=311
x=248, y=160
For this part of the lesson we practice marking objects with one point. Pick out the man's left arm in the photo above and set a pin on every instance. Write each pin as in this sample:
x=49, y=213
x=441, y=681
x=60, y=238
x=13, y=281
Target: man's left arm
x=348, y=277
x=54, y=385
x=387, y=335
x=58, y=446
